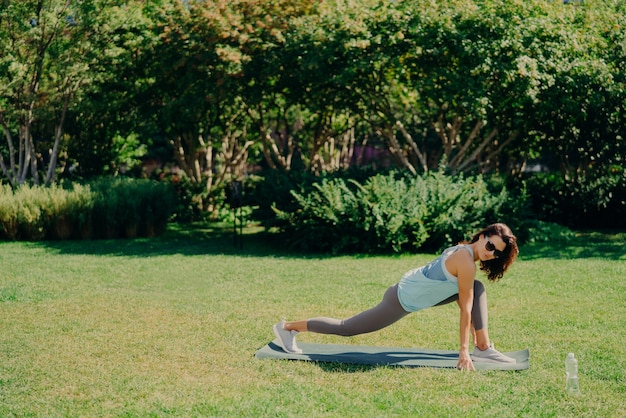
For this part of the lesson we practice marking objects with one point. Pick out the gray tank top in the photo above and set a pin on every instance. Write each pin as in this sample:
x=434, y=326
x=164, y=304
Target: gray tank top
x=436, y=269
x=426, y=286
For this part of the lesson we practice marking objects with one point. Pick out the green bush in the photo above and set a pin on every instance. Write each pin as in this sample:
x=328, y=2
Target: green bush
x=394, y=213
x=189, y=198
x=323, y=216
x=273, y=190
x=104, y=208
x=597, y=200
x=456, y=206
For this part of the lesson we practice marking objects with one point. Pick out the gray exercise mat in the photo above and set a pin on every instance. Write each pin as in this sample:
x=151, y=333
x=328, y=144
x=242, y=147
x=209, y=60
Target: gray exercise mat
x=386, y=356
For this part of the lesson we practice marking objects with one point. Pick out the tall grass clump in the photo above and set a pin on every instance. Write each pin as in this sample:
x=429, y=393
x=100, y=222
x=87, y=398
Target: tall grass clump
x=395, y=213
x=23, y=213
x=129, y=207
x=104, y=208
x=8, y=213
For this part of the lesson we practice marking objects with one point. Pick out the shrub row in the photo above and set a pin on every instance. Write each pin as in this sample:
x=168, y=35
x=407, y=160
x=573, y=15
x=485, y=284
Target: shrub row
x=395, y=213
x=104, y=208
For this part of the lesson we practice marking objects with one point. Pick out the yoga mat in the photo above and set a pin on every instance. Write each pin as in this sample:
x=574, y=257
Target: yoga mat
x=386, y=356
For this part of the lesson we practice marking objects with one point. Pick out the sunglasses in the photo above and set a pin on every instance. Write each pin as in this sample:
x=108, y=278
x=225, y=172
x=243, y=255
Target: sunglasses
x=490, y=247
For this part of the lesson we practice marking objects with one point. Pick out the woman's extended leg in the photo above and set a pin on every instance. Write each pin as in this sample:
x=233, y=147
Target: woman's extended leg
x=382, y=315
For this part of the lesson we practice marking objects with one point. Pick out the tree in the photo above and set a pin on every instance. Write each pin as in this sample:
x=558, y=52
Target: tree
x=108, y=128
x=578, y=88
x=461, y=65
x=44, y=62
x=194, y=94
x=276, y=89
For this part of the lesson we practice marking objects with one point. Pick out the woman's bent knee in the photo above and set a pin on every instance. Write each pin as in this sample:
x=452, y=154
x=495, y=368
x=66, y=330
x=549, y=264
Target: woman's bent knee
x=479, y=287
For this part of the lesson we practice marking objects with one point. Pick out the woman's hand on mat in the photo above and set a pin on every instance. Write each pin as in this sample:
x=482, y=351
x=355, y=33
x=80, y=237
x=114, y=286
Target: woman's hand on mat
x=465, y=361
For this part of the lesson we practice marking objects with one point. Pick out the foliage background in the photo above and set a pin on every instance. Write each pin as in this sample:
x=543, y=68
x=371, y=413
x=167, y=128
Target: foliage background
x=218, y=90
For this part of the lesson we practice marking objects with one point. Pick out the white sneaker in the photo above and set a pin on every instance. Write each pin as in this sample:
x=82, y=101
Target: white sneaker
x=287, y=339
x=491, y=355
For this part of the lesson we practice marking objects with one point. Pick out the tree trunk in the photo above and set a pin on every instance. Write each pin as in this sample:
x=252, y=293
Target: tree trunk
x=58, y=132
x=9, y=172
x=396, y=149
x=409, y=139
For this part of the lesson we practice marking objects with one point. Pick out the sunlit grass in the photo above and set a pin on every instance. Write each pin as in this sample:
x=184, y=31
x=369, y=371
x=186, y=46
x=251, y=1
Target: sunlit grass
x=169, y=327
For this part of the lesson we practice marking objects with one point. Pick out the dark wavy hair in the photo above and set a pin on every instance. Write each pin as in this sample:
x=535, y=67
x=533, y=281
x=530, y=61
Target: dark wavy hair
x=495, y=268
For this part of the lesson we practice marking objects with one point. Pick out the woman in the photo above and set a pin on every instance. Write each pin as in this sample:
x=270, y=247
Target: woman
x=450, y=277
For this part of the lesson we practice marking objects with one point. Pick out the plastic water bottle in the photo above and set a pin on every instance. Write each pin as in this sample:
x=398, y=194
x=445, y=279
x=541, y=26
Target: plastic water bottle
x=571, y=375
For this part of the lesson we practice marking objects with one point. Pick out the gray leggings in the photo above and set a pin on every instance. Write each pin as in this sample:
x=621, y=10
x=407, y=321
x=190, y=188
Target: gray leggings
x=389, y=311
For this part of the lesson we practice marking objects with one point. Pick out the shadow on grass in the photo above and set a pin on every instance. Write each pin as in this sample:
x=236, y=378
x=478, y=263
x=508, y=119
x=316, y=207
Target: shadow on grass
x=349, y=368
x=190, y=239
x=203, y=239
x=610, y=245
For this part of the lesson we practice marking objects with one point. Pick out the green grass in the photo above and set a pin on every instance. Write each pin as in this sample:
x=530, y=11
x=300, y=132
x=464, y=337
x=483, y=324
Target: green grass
x=169, y=327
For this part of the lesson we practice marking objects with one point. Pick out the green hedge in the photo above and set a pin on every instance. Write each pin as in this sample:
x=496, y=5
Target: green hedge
x=104, y=208
x=394, y=213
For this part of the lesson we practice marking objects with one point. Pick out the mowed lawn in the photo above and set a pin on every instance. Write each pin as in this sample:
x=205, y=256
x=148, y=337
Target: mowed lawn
x=169, y=327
